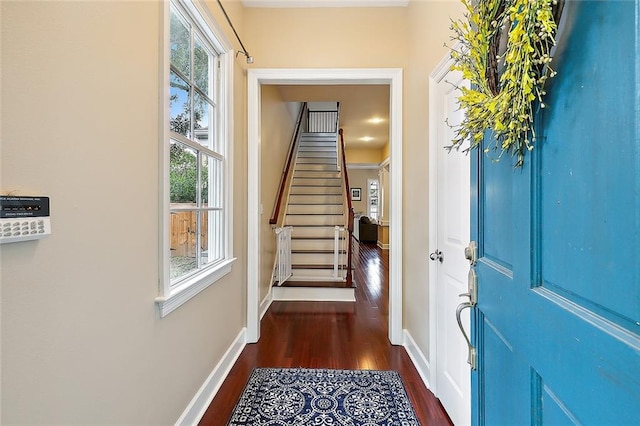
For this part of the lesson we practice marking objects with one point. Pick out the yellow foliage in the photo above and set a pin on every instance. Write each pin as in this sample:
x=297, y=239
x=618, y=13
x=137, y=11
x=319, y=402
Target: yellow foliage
x=508, y=114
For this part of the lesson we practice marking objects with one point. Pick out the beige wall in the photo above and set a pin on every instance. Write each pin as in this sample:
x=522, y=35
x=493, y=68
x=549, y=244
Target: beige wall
x=81, y=338
x=358, y=179
x=326, y=37
x=385, y=152
x=428, y=26
x=277, y=125
x=411, y=38
x=82, y=342
x=383, y=236
x=362, y=156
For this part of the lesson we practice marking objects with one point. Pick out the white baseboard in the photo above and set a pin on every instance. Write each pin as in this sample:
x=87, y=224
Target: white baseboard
x=383, y=246
x=266, y=302
x=316, y=294
x=202, y=399
x=418, y=358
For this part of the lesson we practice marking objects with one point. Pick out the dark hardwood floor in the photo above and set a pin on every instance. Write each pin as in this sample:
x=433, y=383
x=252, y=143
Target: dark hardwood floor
x=331, y=335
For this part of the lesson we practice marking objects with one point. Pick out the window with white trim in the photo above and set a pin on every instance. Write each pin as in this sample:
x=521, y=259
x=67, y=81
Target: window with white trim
x=196, y=208
x=373, y=198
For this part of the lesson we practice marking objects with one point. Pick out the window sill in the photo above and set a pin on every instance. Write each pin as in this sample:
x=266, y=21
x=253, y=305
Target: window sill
x=190, y=288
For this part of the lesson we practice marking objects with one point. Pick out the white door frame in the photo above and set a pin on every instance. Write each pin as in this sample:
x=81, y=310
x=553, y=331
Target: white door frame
x=386, y=76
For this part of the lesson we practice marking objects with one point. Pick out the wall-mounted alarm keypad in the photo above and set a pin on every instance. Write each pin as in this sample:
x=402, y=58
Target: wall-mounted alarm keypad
x=24, y=218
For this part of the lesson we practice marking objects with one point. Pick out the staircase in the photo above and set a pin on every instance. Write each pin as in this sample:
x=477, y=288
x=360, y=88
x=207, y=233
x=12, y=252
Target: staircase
x=315, y=208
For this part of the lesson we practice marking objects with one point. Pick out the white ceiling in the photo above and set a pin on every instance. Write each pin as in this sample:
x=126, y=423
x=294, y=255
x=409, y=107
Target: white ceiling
x=358, y=105
x=325, y=3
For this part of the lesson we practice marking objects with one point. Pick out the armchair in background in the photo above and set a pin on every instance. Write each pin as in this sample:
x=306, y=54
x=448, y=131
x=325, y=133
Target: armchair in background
x=368, y=230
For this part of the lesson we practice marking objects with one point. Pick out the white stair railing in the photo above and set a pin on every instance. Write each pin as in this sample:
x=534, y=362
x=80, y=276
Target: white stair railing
x=322, y=121
x=283, y=254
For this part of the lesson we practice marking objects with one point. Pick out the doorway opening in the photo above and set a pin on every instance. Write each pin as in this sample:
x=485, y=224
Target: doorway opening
x=256, y=78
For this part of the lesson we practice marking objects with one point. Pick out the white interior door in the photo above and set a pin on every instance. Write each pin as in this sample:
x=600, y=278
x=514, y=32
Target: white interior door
x=452, y=228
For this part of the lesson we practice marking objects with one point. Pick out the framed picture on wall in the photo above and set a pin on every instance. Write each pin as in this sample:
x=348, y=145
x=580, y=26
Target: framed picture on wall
x=356, y=194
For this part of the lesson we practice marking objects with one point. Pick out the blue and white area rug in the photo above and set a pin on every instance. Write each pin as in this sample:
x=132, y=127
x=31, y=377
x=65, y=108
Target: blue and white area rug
x=296, y=396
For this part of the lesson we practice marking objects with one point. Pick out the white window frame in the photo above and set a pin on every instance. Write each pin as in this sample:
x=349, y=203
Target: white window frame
x=172, y=296
x=377, y=218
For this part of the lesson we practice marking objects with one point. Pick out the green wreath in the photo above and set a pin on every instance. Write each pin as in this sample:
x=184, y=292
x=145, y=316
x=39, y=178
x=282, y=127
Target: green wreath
x=503, y=50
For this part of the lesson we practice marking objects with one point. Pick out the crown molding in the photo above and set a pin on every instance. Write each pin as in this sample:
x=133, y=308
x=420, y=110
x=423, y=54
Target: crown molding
x=324, y=3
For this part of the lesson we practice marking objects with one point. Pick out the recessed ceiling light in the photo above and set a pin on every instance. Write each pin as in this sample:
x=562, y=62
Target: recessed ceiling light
x=376, y=120
x=366, y=139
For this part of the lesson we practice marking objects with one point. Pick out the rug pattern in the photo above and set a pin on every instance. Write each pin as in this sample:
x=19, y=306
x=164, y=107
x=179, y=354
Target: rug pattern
x=322, y=397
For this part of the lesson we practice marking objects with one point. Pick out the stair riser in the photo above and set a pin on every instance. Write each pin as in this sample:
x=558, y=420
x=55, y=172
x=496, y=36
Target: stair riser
x=317, y=147
x=322, y=190
x=317, y=174
x=312, y=154
x=325, y=220
x=316, y=167
x=317, y=181
x=313, y=232
x=316, y=259
x=315, y=274
x=318, y=136
x=321, y=209
x=313, y=244
x=317, y=160
x=315, y=199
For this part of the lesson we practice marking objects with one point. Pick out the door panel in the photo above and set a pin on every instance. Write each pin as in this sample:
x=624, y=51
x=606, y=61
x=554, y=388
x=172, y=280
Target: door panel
x=557, y=325
x=504, y=401
x=498, y=219
x=600, y=91
x=452, y=378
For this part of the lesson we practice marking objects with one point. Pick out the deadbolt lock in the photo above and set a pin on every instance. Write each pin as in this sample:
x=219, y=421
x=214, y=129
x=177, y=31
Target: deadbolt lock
x=471, y=253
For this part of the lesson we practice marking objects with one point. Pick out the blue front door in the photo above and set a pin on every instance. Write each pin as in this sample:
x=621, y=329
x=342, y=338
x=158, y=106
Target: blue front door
x=557, y=324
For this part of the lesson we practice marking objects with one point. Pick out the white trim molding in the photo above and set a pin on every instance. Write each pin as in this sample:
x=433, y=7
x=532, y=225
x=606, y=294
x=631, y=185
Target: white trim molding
x=266, y=302
x=383, y=246
x=326, y=76
x=324, y=3
x=203, y=397
x=190, y=288
x=317, y=294
x=419, y=360
x=356, y=166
